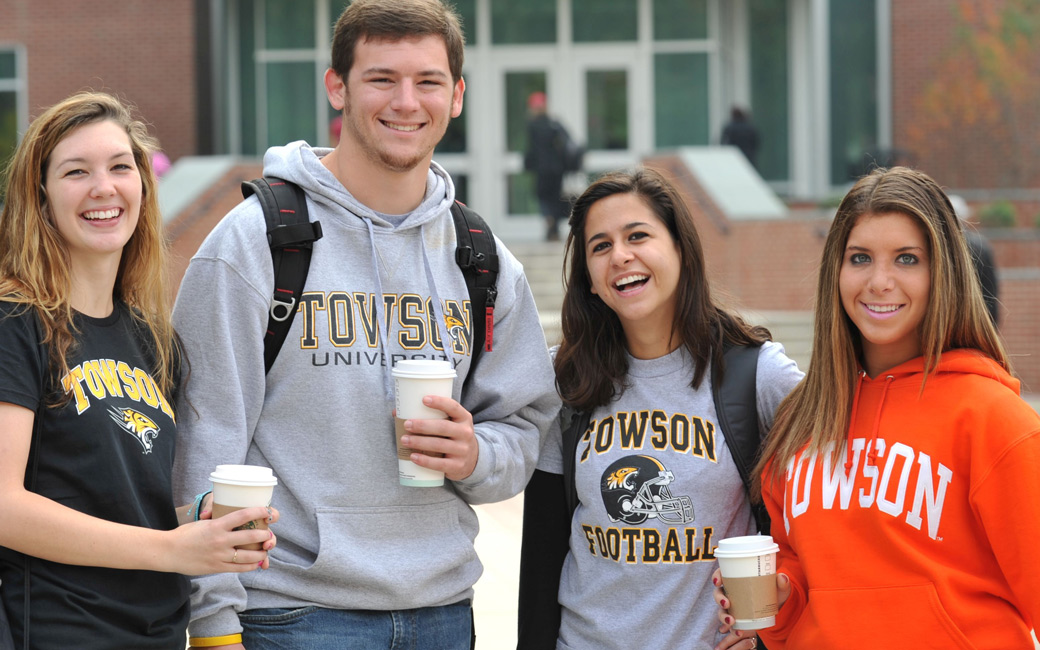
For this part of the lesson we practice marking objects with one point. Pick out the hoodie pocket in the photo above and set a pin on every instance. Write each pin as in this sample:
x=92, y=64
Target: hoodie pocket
x=398, y=556
x=884, y=615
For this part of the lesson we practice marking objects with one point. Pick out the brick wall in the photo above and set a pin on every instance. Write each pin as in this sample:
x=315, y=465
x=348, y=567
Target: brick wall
x=140, y=50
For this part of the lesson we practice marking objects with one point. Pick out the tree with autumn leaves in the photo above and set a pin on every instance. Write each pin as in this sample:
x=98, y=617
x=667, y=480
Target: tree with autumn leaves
x=976, y=123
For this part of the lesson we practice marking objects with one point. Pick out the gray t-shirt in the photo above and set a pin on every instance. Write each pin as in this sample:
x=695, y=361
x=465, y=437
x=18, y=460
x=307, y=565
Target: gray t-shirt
x=639, y=575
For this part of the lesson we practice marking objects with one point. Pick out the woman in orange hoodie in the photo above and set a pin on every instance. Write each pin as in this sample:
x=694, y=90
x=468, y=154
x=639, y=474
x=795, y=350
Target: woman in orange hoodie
x=903, y=473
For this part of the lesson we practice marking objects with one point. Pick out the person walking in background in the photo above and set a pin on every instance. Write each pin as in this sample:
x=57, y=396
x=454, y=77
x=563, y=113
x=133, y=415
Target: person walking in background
x=983, y=257
x=548, y=157
x=91, y=546
x=641, y=334
x=363, y=562
x=901, y=474
x=741, y=132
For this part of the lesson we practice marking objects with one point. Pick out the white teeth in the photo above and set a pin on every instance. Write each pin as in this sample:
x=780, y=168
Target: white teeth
x=402, y=127
x=95, y=215
x=882, y=309
x=629, y=279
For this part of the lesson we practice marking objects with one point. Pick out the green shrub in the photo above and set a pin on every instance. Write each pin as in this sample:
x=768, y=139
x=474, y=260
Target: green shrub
x=999, y=214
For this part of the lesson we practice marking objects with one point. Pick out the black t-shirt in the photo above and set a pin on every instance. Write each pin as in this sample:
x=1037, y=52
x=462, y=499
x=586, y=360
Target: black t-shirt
x=108, y=452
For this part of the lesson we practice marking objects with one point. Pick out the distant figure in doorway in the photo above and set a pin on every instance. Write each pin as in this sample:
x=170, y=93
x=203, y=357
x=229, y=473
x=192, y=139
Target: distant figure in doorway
x=547, y=156
x=982, y=255
x=742, y=134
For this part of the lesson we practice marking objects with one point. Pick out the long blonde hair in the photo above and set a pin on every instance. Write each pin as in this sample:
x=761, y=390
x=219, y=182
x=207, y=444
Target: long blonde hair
x=35, y=266
x=817, y=411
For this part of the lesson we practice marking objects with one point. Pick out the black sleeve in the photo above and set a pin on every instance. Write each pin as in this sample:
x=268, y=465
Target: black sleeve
x=547, y=525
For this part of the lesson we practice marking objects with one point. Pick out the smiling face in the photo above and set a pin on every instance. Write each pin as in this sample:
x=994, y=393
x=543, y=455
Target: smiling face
x=94, y=190
x=398, y=100
x=634, y=265
x=885, y=282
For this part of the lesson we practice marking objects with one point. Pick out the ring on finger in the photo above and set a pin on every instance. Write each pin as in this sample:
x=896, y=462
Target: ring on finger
x=754, y=642
x=234, y=560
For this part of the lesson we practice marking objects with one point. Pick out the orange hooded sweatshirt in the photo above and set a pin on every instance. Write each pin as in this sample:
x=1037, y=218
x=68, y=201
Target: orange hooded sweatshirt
x=925, y=531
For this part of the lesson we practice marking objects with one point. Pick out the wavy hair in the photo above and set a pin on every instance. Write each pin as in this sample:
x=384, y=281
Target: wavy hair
x=817, y=411
x=35, y=268
x=591, y=364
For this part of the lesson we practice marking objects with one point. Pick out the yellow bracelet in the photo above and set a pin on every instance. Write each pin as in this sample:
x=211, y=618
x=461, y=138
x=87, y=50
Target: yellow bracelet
x=211, y=641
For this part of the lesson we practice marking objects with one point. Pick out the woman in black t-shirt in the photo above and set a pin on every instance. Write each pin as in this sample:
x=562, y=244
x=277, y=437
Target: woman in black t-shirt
x=93, y=553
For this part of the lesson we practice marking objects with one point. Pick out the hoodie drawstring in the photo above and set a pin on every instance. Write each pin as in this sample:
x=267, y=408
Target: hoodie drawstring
x=388, y=384
x=872, y=445
x=438, y=306
x=871, y=448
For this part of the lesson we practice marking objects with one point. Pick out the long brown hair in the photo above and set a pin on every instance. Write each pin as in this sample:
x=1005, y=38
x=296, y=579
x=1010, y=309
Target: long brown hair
x=35, y=269
x=817, y=411
x=591, y=363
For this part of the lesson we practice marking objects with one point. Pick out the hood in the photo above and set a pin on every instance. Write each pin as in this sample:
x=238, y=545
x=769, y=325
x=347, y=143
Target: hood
x=968, y=362
x=300, y=163
x=972, y=362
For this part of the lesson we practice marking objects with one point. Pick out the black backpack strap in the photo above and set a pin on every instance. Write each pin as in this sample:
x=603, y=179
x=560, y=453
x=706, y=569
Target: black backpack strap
x=291, y=235
x=543, y=549
x=477, y=256
x=549, y=504
x=736, y=406
x=576, y=428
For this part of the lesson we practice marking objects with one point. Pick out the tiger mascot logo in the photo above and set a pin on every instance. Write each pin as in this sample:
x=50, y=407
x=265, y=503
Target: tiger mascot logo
x=622, y=478
x=137, y=424
x=457, y=332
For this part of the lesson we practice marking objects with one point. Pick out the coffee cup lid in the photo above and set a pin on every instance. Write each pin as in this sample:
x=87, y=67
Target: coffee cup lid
x=244, y=475
x=423, y=368
x=747, y=546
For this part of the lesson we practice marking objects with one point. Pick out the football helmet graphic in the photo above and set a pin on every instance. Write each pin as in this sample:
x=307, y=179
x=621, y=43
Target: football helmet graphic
x=635, y=488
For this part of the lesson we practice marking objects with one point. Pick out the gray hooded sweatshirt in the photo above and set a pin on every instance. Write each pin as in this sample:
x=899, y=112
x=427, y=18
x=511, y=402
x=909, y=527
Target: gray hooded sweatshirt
x=351, y=537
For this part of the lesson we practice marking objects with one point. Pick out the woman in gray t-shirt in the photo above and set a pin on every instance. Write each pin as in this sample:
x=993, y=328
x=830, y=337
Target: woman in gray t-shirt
x=656, y=483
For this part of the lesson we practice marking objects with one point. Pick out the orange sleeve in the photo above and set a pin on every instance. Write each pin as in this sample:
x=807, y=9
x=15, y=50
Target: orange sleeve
x=1006, y=501
x=787, y=563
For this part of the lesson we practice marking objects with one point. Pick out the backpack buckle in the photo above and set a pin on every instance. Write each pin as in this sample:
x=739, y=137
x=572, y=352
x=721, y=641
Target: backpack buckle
x=287, y=305
x=466, y=257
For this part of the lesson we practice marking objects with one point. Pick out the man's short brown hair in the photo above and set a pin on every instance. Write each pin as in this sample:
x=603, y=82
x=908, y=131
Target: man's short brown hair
x=395, y=20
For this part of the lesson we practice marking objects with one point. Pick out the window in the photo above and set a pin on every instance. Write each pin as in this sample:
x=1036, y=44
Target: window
x=767, y=25
x=604, y=20
x=680, y=19
x=13, y=113
x=530, y=21
x=853, y=82
x=467, y=10
x=292, y=93
x=607, y=114
x=521, y=195
x=681, y=99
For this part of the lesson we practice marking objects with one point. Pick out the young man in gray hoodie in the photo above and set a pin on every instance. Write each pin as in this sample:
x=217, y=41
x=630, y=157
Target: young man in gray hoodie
x=361, y=561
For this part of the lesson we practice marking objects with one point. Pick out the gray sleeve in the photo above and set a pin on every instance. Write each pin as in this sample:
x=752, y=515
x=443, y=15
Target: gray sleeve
x=218, y=314
x=776, y=376
x=511, y=394
x=550, y=459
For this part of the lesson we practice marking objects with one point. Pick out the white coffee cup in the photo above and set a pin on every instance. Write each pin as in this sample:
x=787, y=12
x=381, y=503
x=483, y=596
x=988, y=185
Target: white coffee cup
x=748, y=566
x=413, y=380
x=242, y=486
